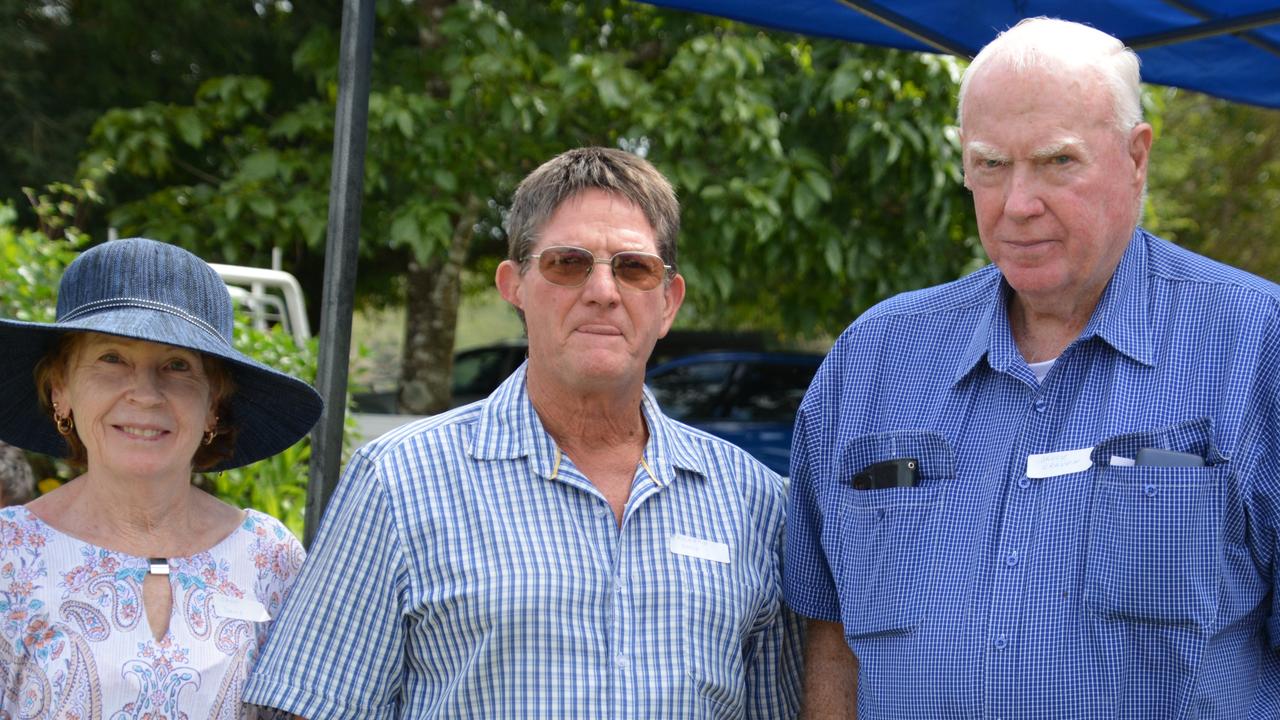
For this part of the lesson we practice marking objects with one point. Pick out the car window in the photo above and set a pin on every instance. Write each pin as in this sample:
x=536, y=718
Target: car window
x=691, y=392
x=479, y=372
x=768, y=392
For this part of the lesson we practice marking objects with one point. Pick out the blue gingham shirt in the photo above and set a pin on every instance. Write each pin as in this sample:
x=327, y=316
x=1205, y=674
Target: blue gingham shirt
x=467, y=569
x=1102, y=592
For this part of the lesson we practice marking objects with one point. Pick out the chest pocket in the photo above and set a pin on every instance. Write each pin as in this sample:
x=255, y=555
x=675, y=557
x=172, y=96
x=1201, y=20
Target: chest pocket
x=1155, y=536
x=882, y=541
x=713, y=607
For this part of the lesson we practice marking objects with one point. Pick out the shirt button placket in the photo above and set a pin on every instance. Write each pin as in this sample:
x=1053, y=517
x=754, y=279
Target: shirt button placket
x=615, y=538
x=1008, y=577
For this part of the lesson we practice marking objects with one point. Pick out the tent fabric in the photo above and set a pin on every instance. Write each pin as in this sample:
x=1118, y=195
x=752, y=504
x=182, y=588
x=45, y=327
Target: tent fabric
x=1243, y=66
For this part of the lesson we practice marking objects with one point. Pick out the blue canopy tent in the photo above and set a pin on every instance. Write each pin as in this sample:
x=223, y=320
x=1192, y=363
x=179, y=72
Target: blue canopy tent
x=1231, y=50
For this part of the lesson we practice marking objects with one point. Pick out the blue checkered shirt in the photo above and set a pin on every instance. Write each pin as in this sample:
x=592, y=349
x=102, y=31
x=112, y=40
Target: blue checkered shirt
x=1106, y=591
x=467, y=569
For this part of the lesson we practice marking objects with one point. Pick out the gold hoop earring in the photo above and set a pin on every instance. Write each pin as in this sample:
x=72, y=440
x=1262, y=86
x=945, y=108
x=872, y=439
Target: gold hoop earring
x=65, y=424
x=209, y=435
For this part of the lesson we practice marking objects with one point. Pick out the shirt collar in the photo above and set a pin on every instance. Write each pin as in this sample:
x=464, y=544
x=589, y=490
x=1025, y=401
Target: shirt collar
x=1120, y=319
x=509, y=428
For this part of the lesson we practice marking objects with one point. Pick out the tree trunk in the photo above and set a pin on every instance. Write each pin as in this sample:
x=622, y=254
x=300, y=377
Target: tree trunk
x=433, y=292
x=431, y=323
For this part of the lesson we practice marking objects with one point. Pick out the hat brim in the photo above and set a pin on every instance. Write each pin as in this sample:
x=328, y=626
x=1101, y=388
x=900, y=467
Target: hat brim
x=270, y=409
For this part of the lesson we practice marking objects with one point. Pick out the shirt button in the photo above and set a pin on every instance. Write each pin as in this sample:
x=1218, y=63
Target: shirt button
x=1149, y=489
x=1024, y=482
x=602, y=512
x=620, y=661
x=1041, y=405
x=1011, y=559
x=1001, y=642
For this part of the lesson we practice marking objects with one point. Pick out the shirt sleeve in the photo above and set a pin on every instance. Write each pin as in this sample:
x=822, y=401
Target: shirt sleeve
x=806, y=577
x=337, y=650
x=773, y=673
x=1261, y=474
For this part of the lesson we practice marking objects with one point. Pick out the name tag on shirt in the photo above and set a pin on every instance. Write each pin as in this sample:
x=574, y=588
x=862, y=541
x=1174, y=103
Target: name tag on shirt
x=1065, y=462
x=240, y=608
x=698, y=548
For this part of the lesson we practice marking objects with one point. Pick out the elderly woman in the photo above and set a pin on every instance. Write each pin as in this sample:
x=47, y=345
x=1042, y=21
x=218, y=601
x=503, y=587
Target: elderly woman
x=128, y=592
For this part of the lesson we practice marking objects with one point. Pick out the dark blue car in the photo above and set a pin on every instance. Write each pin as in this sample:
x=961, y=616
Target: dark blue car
x=747, y=398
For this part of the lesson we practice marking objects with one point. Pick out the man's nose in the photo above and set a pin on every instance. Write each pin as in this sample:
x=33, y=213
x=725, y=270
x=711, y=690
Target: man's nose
x=601, y=286
x=1022, y=198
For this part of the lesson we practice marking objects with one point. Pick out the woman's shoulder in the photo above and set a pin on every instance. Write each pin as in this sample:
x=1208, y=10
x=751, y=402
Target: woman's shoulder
x=24, y=540
x=274, y=552
x=268, y=534
x=264, y=525
x=20, y=529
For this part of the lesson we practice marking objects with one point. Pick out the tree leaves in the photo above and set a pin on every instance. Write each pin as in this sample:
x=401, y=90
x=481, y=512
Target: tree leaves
x=822, y=174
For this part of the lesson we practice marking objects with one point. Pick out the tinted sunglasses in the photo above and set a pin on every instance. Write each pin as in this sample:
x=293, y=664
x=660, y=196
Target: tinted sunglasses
x=568, y=266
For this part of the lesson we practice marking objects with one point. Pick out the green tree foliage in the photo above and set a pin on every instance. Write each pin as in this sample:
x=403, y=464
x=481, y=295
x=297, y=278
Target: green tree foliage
x=1215, y=180
x=816, y=177
x=64, y=62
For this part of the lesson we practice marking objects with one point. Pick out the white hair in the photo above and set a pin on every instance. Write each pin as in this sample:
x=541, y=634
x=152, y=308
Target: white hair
x=1068, y=47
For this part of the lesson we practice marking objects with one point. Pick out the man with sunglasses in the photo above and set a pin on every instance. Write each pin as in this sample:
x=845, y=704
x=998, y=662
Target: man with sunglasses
x=1049, y=489
x=560, y=549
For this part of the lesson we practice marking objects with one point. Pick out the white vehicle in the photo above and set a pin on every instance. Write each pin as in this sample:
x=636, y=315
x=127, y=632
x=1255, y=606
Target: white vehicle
x=274, y=297
x=268, y=297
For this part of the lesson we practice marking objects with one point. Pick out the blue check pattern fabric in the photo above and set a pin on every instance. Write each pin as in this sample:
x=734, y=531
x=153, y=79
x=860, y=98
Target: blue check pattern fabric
x=1106, y=590
x=466, y=569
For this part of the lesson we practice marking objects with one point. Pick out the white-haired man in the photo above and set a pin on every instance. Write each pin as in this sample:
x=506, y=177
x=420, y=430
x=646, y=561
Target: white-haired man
x=1048, y=489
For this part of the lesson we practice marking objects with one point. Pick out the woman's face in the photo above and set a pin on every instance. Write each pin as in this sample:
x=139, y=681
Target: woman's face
x=140, y=408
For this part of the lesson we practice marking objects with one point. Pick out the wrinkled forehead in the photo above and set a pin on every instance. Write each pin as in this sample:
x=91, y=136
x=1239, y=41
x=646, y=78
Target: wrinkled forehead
x=597, y=218
x=999, y=93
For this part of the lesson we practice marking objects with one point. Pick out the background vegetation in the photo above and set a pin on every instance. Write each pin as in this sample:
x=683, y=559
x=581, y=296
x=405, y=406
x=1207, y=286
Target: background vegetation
x=816, y=177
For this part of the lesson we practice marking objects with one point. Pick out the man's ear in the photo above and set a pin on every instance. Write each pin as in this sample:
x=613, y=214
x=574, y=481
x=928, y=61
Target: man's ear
x=1140, y=138
x=673, y=293
x=508, y=280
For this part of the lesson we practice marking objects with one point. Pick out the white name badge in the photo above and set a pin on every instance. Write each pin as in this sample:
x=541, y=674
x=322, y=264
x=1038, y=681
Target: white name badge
x=240, y=608
x=1065, y=462
x=698, y=548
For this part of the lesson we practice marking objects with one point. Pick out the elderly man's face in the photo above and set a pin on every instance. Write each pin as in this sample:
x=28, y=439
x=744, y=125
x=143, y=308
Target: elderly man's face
x=599, y=335
x=1056, y=186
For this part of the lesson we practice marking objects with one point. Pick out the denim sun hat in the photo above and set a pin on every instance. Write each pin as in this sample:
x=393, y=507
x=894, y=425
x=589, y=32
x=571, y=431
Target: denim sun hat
x=148, y=290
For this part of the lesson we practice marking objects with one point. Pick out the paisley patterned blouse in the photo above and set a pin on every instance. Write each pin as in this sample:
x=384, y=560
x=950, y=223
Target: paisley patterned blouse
x=74, y=638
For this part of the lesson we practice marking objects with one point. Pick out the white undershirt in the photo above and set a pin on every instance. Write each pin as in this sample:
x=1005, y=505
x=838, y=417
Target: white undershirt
x=1041, y=369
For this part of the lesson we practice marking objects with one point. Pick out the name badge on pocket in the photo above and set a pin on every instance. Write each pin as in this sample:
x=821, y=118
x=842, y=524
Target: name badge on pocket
x=240, y=608
x=1047, y=465
x=699, y=548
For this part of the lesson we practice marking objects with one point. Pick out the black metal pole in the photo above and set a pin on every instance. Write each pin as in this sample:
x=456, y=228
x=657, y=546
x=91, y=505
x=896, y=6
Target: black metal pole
x=346, y=188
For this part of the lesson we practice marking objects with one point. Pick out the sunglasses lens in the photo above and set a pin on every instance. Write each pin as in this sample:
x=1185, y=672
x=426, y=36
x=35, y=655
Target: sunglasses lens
x=638, y=270
x=565, y=266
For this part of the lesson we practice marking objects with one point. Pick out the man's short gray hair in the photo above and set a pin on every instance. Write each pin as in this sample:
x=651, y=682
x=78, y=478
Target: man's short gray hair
x=574, y=172
x=1066, y=47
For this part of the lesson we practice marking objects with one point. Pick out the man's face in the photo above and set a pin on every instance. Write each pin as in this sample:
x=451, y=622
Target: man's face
x=599, y=335
x=1056, y=186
